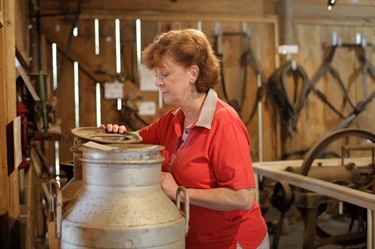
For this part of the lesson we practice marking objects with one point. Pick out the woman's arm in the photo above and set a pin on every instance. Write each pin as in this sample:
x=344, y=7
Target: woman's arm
x=220, y=199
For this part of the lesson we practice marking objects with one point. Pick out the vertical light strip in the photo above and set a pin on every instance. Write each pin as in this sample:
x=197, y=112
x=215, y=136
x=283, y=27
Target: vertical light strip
x=138, y=41
x=199, y=25
x=118, y=46
x=159, y=27
x=96, y=31
x=76, y=94
x=54, y=79
x=119, y=104
x=75, y=31
x=118, y=56
x=138, y=45
x=57, y=161
x=98, y=105
x=54, y=65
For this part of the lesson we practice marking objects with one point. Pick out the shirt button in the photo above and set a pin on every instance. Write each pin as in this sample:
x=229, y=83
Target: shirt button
x=187, y=131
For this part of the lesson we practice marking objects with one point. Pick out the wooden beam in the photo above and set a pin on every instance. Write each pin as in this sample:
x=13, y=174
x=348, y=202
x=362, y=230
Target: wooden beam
x=158, y=16
x=22, y=32
x=1, y=19
x=347, y=2
x=122, y=7
x=4, y=187
x=360, y=198
x=285, y=21
x=343, y=11
x=342, y=22
x=342, y=193
x=9, y=190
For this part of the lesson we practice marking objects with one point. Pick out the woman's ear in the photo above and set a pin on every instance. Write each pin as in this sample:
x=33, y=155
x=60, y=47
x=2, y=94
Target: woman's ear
x=194, y=72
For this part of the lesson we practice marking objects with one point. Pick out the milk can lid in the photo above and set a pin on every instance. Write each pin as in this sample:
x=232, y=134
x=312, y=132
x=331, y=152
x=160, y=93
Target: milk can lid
x=100, y=135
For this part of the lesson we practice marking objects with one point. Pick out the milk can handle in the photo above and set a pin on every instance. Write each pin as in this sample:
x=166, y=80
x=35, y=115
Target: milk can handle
x=187, y=205
x=55, y=186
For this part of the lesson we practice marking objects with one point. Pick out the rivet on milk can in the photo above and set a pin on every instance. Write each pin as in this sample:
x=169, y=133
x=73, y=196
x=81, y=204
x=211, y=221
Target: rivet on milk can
x=121, y=203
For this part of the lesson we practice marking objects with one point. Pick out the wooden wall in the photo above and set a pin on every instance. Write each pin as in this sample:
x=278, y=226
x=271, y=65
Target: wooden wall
x=311, y=28
x=314, y=40
x=305, y=23
x=262, y=40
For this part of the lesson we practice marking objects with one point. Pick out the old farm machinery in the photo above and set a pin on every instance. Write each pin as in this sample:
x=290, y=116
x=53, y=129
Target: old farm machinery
x=344, y=157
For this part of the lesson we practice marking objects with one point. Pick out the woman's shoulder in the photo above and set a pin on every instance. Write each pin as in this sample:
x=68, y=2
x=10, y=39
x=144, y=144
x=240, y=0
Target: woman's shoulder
x=226, y=119
x=223, y=109
x=226, y=114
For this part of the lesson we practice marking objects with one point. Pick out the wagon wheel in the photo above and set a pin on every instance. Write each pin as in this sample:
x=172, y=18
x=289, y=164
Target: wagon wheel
x=350, y=238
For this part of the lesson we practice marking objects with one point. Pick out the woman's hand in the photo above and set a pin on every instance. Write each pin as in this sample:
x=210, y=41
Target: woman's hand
x=114, y=128
x=168, y=185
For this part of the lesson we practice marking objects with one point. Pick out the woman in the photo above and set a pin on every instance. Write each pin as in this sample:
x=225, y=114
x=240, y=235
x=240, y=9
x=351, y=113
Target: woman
x=207, y=147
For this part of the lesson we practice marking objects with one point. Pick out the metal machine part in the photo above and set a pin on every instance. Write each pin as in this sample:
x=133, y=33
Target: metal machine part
x=312, y=205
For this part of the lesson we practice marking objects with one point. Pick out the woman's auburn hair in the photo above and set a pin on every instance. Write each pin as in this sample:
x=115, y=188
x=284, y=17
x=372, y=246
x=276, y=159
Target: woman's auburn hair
x=186, y=47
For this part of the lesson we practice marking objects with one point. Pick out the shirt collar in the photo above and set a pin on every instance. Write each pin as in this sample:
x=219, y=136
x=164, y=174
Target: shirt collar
x=208, y=110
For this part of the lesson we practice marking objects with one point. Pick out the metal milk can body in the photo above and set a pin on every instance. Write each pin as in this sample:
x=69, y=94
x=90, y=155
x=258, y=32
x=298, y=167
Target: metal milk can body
x=83, y=135
x=121, y=204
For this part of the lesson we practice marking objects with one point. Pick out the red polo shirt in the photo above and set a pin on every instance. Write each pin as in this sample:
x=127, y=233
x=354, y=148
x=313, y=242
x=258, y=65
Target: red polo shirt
x=215, y=152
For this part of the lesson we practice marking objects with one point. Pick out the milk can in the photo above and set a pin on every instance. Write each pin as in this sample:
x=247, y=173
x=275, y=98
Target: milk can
x=81, y=136
x=120, y=203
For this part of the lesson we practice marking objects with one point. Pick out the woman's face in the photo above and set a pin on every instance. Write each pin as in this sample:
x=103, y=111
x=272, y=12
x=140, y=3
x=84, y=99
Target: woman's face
x=175, y=82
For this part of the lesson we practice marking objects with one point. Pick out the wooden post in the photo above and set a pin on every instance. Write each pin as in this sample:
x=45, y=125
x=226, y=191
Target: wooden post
x=4, y=189
x=285, y=21
x=9, y=185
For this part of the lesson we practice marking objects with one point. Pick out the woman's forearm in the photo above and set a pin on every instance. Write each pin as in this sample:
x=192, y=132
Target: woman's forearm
x=222, y=199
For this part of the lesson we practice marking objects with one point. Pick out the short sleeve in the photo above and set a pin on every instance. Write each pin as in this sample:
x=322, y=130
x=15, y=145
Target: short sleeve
x=231, y=160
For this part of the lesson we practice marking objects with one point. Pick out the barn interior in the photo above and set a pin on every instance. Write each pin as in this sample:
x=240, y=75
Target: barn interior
x=299, y=73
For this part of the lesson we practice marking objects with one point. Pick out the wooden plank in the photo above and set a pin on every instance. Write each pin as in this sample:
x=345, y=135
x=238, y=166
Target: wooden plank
x=4, y=184
x=1, y=19
x=346, y=2
x=338, y=21
x=11, y=113
x=318, y=10
x=120, y=7
x=370, y=229
x=184, y=17
x=335, y=191
x=9, y=196
x=22, y=31
x=338, y=192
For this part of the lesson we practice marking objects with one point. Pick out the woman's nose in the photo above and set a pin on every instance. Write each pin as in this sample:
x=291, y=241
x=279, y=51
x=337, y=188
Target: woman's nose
x=158, y=82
